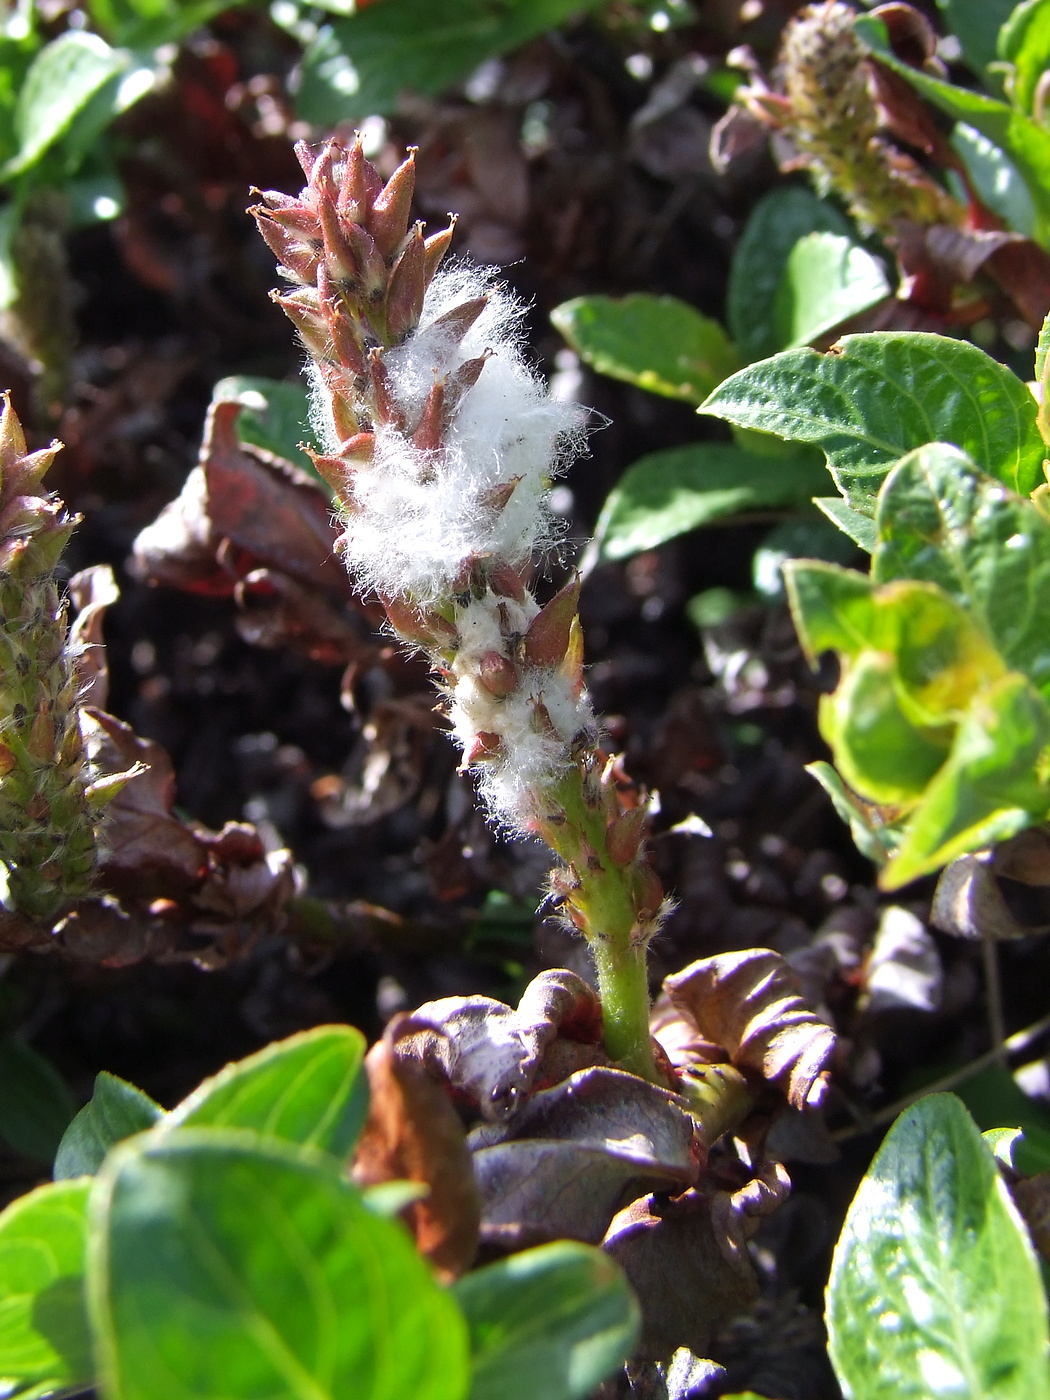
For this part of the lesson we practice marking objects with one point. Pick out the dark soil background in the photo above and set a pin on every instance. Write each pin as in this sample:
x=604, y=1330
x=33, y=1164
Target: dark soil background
x=610, y=190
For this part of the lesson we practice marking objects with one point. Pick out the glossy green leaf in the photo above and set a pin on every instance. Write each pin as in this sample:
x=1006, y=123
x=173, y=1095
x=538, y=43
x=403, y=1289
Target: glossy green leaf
x=659, y=343
x=828, y=278
x=553, y=1322
x=45, y=1342
x=935, y=1288
x=360, y=65
x=1024, y=42
x=942, y=520
x=976, y=24
x=223, y=1264
x=988, y=789
x=775, y=225
x=668, y=493
x=274, y=415
x=117, y=1110
x=878, y=748
x=36, y=1105
x=878, y=396
x=859, y=527
x=62, y=80
x=998, y=182
x=1025, y=141
x=307, y=1090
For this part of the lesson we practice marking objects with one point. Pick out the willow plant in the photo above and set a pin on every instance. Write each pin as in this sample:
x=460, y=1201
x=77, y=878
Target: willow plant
x=440, y=444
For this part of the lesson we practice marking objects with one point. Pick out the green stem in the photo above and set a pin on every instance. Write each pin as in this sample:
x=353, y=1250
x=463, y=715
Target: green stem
x=623, y=986
x=603, y=903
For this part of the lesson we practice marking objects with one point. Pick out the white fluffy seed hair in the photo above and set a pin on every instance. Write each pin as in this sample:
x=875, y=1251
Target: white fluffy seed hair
x=420, y=515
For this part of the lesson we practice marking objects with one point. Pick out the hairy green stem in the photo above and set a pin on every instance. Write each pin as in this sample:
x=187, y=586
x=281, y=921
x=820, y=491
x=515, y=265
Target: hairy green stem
x=604, y=905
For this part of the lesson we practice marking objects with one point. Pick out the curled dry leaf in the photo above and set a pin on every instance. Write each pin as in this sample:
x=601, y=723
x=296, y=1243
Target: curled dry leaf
x=689, y=1275
x=565, y=1162
x=249, y=525
x=414, y=1134
x=749, y=1003
x=491, y=1056
x=969, y=903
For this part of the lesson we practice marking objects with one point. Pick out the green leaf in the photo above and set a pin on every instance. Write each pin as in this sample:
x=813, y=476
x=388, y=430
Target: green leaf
x=44, y=1337
x=306, y=1090
x=878, y=396
x=35, y=1102
x=659, y=343
x=988, y=790
x=935, y=1288
x=227, y=1265
x=942, y=520
x=275, y=415
x=1004, y=1142
x=1025, y=142
x=554, y=1321
x=360, y=65
x=668, y=493
x=976, y=24
x=117, y=1110
x=878, y=748
x=63, y=78
x=775, y=225
x=1024, y=42
x=860, y=528
x=993, y=1096
x=998, y=182
x=149, y=23
x=828, y=278
x=868, y=836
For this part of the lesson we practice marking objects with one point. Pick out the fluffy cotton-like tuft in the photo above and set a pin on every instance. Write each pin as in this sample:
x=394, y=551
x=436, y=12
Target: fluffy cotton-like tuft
x=419, y=516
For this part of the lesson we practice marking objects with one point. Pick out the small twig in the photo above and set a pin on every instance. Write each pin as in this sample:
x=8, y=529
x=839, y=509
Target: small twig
x=1013, y=1045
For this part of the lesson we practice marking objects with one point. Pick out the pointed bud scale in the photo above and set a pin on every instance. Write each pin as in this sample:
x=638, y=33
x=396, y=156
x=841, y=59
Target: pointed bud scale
x=507, y=582
x=623, y=837
x=430, y=428
x=496, y=497
x=425, y=629
x=497, y=675
x=292, y=215
x=461, y=380
x=340, y=259
x=541, y=720
x=404, y=298
x=434, y=248
x=572, y=666
x=298, y=258
x=12, y=438
x=41, y=741
x=372, y=274
x=305, y=315
x=341, y=400
x=648, y=890
x=322, y=176
x=305, y=157
x=547, y=639
x=361, y=185
x=386, y=409
x=458, y=321
x=388, y=220
x=485, y=746
x=347, y=348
